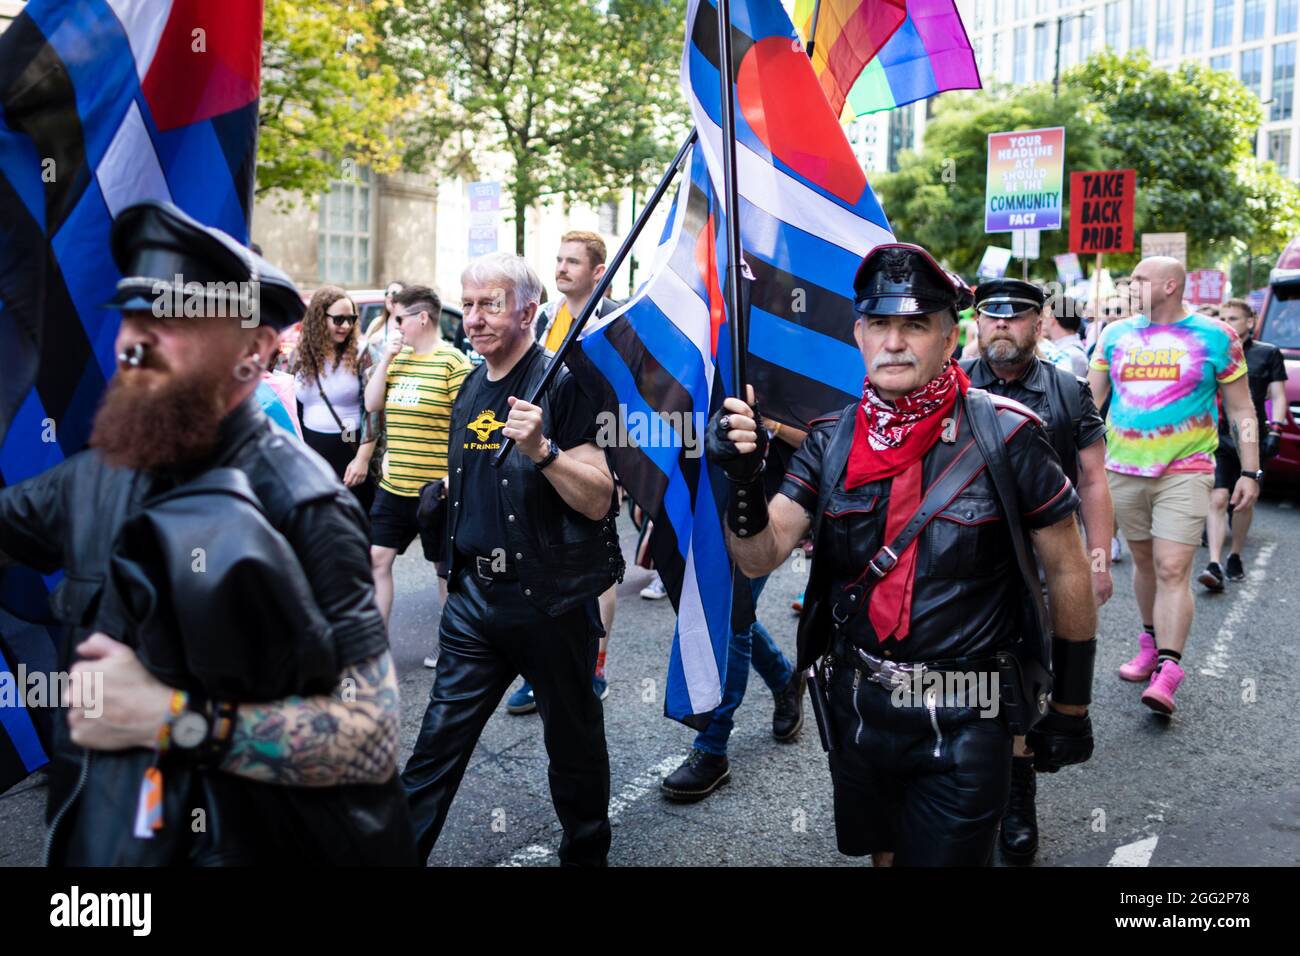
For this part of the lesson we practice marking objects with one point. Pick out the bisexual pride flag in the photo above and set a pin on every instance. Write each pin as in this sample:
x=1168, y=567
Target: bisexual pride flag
x=103, y=103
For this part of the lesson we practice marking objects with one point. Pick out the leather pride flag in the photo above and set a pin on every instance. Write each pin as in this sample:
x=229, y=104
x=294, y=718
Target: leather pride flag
x=103, y=103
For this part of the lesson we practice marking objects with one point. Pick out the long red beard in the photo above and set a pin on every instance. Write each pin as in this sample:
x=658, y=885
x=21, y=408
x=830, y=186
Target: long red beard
x=169, y=424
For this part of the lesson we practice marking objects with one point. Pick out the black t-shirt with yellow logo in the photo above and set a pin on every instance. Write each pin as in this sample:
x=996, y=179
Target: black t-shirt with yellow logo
x=572, y=422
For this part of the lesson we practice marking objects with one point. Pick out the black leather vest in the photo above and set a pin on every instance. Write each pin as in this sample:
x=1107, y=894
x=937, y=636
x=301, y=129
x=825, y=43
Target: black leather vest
x=563, y=558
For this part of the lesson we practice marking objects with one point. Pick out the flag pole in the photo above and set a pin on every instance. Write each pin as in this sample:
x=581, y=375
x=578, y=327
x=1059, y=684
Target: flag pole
x=734, y=296
x=603, y=285
x=812, y=30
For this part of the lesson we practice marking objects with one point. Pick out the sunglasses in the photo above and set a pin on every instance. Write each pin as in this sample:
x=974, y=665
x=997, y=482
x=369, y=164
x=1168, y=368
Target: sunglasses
x=407, y=315
x=342, y=320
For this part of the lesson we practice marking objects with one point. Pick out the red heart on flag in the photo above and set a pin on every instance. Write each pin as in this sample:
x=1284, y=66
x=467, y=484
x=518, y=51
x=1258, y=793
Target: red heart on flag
x=779, y=96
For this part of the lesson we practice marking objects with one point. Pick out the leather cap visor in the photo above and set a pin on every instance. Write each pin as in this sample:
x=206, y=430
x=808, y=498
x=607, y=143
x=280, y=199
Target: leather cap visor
x=903, y=279
x=154, y=242
x=1005, y=298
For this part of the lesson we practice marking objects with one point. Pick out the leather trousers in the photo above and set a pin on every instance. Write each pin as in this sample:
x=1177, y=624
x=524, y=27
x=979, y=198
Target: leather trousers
x=490, y=633
x=931, y=787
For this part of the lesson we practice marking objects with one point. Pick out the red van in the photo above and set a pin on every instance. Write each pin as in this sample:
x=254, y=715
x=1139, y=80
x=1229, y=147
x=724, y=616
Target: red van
x=1279, y=324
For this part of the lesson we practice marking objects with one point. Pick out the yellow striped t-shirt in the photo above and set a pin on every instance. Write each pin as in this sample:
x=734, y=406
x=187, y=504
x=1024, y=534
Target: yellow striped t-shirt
x=417, y=412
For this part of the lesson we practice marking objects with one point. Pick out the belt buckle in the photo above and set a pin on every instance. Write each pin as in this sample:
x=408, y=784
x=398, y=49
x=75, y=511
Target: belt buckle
x=483, y=567
x=878, y=571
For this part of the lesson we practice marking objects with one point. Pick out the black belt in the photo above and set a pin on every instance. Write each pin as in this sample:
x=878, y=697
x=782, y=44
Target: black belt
x=490, y=567
x=891, y=673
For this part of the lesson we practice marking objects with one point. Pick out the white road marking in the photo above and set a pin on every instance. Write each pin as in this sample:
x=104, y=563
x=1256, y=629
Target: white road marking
x=1135, y=854
x=1216, y=662
x=636, y=788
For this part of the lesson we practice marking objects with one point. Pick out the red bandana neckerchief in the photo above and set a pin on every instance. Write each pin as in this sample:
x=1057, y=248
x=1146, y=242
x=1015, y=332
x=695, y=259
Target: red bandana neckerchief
x=890, y=440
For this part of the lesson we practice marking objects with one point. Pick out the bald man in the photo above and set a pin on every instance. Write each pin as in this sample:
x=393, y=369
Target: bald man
x=1163, y=368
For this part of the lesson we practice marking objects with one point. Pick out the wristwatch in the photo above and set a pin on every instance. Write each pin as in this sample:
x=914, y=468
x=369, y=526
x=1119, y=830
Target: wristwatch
x=189, y=730
x=1257, y=475
x=550, y=456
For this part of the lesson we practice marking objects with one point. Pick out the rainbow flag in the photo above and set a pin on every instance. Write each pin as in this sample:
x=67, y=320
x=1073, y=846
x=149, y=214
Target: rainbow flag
x=926, y=53
x=849, y=35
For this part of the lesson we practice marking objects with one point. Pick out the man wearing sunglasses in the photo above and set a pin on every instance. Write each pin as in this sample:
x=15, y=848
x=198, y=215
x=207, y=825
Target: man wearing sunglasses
x=415, y=384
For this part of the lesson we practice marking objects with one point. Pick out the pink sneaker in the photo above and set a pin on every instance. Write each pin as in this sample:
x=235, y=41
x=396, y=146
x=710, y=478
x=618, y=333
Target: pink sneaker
x=1159, y=695
x=1142, y=666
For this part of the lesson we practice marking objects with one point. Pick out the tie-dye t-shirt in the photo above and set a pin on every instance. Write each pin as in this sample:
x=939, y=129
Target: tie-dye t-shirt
x=1164, y=417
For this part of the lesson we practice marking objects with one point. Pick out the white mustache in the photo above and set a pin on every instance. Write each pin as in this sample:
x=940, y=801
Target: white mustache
x=894, y=358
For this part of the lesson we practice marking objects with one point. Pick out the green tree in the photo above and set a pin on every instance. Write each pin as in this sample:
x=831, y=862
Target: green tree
x=582, y=96
x=1189, y=132
x=936, y=198
x=327, y=104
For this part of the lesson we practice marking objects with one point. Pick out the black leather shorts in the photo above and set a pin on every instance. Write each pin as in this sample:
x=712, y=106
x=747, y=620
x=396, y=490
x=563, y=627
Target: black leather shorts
x=932, y=795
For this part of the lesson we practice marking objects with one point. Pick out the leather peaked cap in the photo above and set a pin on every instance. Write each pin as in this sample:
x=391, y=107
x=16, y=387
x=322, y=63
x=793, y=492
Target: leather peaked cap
x=153, y=242
x=900, y=278
x=1007, y=297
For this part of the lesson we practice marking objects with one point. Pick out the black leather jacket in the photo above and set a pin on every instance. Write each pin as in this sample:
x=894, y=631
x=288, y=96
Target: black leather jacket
x=968, y=593
x=69, y=517
x=563, y=558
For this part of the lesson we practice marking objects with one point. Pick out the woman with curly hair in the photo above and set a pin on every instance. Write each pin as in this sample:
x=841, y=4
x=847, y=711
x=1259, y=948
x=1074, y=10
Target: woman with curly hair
x=331, y=367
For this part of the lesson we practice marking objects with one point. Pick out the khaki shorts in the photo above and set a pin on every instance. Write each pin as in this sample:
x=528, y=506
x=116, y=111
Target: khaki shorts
x=1171, y=507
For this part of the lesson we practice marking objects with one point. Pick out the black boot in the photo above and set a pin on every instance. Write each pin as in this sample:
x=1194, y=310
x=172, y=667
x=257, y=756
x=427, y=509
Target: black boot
x=1019, y=837
x=699, y=775
x=787, y=715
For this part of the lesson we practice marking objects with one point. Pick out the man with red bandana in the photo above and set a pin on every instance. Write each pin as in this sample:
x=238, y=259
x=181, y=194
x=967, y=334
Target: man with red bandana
x=920, y=779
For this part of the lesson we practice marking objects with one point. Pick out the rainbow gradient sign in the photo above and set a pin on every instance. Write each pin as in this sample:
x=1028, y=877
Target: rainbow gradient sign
x=1026, y=180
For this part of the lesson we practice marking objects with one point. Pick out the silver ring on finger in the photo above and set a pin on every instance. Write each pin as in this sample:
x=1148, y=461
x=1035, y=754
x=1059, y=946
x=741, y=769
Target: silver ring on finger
x=724, y=423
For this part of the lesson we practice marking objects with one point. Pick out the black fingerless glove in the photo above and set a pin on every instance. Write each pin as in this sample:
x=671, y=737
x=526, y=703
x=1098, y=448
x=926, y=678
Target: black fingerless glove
x=747, y=505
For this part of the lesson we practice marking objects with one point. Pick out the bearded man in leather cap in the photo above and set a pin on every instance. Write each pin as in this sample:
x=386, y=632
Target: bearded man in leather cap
x=896, y=614
x=254, y=684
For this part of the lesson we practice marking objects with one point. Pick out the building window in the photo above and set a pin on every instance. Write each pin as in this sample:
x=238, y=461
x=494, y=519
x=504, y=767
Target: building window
x=1193, y=25
x=902, y=135
x=1252, y=20
x=1285, y=21
x=1279, y=149
x=608, y=218
x=344, y=239
x=1018, y=57
x=1087, y=34
x=1114, y=26
x=1283, y=81
x=1041, y=47
x=995, y=56
x=1164, y=29
x=1067, y=44
x=1252, y=69
x=1022, y=9
x=1137, y=24
x=1221, y=62
x=1222, y=35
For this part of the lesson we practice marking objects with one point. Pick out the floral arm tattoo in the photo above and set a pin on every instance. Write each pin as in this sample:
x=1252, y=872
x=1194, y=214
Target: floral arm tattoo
x=349, y=736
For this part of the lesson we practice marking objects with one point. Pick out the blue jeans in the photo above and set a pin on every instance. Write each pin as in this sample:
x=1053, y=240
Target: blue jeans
x=773, y=666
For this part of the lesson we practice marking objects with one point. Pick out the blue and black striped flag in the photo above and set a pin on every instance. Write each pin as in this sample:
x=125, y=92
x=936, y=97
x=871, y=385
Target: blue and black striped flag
x=807, y=217
x=103, y=103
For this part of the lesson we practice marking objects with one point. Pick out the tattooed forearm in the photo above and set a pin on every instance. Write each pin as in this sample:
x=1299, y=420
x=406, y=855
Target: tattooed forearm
x=349, y=736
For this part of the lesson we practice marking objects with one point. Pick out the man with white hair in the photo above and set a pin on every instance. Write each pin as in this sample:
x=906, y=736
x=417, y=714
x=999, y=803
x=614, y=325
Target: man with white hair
x=1166, y=367
x=532, y=546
